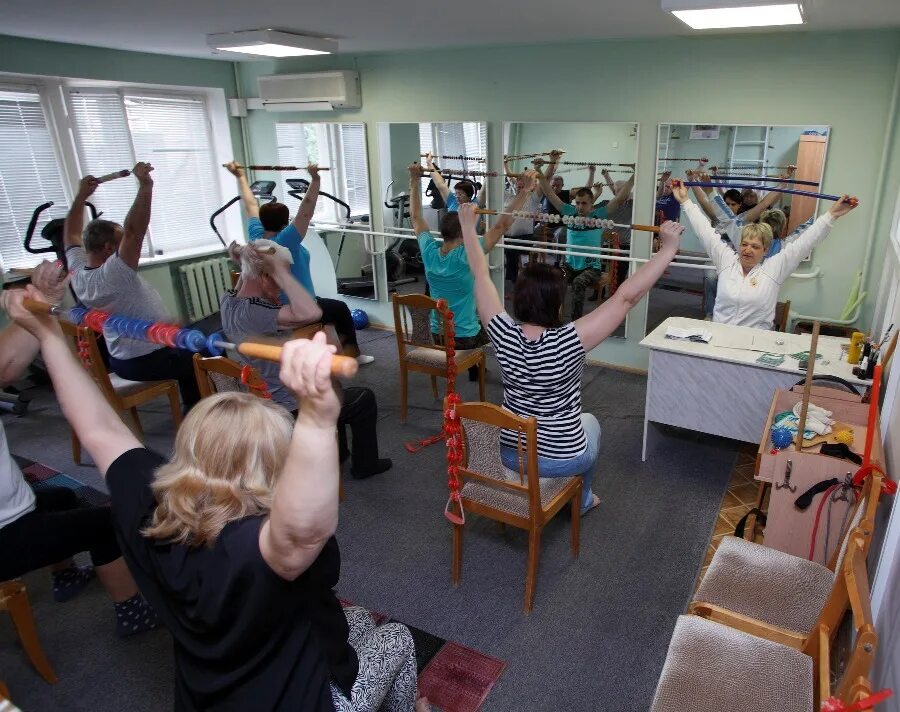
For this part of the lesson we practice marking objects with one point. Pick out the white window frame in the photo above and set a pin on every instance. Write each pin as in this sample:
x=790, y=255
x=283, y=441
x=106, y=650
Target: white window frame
x=53, y=90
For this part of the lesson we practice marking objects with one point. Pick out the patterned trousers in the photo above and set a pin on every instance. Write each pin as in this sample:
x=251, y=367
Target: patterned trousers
x=387, y=666
x=580, y=282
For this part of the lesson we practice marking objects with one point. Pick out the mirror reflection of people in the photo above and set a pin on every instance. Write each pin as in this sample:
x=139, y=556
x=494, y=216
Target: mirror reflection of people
x=748, y=282
x=729, y=215
x=273, y=221
x=542, y=359
x=463, y=192
x=583, y=272
x=521, y=228
x=667, y=208
x=447, y=265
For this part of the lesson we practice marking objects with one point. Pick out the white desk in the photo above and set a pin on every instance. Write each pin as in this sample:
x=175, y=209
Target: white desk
x=721, y=390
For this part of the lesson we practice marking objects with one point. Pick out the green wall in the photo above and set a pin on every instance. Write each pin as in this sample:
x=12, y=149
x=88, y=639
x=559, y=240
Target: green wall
x=55, y=59
x=843, y=80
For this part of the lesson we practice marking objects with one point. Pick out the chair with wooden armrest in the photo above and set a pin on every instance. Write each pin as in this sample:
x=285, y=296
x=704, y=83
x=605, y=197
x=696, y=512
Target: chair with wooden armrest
x=521, y=499
x=712, y=667
x=783, y=597
x=418, y=351
x=122, y=394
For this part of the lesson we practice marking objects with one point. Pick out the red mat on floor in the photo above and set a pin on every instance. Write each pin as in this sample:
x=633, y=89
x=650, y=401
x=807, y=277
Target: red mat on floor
x=453, y=677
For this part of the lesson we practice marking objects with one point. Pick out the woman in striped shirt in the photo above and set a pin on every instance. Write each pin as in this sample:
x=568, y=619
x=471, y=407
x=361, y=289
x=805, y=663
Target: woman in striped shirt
x=542, y=359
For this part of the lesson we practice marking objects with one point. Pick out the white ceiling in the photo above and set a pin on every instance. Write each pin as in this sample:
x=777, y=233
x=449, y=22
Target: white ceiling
x=178, y=27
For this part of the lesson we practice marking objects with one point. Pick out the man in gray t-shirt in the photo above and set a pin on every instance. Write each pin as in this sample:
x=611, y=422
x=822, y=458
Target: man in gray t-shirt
x=253, y=312
x=103, y=259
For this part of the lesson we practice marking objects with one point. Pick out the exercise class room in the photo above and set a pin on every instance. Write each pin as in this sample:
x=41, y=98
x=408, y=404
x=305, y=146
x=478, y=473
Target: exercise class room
x=411, y=357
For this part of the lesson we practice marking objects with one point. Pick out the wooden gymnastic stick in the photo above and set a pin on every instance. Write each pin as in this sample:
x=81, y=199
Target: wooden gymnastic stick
x=112, y=176
x=807, y=387
x=344, y=366
x=274, y=168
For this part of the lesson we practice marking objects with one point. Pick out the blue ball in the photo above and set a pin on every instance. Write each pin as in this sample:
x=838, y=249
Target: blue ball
x=360, y=318
x=782, y=437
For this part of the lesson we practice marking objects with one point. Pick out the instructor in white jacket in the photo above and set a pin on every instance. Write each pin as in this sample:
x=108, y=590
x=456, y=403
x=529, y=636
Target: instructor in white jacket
x=749, y=283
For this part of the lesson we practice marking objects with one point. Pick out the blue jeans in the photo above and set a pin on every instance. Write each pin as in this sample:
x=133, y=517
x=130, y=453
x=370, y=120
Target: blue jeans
x=582, y=464
x=710, y=289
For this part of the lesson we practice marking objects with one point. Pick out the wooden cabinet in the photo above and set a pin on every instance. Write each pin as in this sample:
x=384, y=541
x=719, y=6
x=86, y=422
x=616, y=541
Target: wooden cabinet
x=810, y=160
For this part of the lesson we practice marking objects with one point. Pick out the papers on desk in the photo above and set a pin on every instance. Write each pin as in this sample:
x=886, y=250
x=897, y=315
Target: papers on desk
x=770, y=342
x=701, y=335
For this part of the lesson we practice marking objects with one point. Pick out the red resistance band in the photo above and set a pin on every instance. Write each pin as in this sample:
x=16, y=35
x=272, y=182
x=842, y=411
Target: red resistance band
x=888, y=486
x=613, y=265
x=832, y=704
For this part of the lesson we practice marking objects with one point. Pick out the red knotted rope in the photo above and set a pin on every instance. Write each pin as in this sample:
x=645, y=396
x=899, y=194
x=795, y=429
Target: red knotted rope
x=254, y=383
x=84, y=352
x=451, y=432
x=613, y=265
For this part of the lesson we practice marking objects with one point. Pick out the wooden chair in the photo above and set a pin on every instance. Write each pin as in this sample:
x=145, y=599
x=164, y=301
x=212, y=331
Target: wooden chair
x=123, y=395
x=710, y=666
x=521, y=498
x=218, y=374
x=782, y=313
x=775, y=595
x=14, y=600
x=418, y=351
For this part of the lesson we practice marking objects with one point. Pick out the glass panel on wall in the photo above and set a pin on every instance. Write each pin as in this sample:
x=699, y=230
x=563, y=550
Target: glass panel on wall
x=459, y=149
x=588, y=174
x=344, y=196
x=746, y=162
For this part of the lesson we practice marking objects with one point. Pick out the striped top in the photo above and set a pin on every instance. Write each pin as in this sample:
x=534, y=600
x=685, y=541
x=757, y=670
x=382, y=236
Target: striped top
x=543, y=379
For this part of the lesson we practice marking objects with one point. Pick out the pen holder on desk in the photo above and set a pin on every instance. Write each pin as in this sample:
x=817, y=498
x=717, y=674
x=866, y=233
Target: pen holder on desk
x=856, y=345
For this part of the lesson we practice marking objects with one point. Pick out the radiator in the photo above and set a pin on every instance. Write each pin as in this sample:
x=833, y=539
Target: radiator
x=203, y=284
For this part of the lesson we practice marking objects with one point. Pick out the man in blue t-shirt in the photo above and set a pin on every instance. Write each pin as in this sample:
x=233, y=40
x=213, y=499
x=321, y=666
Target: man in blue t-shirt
x=584, y=272
x=272, y=221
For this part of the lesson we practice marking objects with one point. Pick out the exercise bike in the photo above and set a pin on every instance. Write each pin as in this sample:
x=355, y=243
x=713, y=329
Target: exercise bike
x=262, y=189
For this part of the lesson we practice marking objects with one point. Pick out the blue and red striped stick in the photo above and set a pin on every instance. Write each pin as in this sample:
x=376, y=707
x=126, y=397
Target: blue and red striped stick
x=765, y=179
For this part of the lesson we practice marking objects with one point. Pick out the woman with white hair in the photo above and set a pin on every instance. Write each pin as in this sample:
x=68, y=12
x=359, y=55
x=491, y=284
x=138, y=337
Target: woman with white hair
x=232, y=540
x=748, y=282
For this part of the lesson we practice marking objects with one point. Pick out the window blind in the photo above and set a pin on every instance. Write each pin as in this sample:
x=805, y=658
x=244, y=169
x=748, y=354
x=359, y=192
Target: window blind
x=113, y=130
x=354, y=167
x=29, y=173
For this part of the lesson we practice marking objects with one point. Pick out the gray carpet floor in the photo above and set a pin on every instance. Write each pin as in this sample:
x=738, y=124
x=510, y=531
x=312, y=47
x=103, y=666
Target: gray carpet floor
x=601, y=623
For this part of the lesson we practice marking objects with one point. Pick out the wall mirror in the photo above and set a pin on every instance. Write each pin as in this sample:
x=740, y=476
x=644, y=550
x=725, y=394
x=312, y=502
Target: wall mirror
x=460, y=151
x=747, y=158
x=344, y=197
x=599, y=158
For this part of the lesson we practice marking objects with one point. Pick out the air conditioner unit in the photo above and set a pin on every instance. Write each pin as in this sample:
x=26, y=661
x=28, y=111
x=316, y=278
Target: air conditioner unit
x=321, y=91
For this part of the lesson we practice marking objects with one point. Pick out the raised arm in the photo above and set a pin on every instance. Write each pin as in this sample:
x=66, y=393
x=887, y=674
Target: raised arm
x=138, y=219
x=548, y=191
x=307, y=207
x=248, y=200
x=304, y=513
x=74, y=226
x=607, y=178
x=661, y=183
x=96, y=424
x=487, y=300
x=752, y=214
x=622, y=195
x=791, y=255
x=700, y=194
x=416, y=172
x=605, y=319
x=718, y=251
x=555, y=155
x=436, y=176
x=17, y=346
x=492, y=236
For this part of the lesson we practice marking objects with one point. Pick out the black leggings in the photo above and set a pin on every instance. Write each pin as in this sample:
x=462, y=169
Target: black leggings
x=360, y=412
x=57, y=529
x=158, y=366
x=337, y=313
